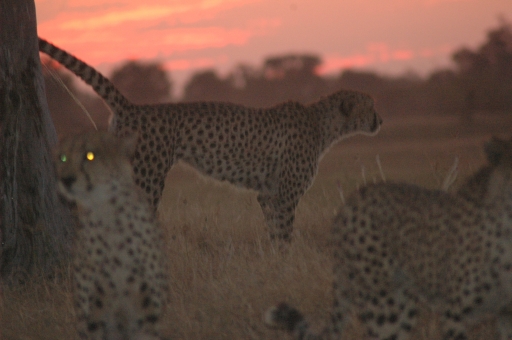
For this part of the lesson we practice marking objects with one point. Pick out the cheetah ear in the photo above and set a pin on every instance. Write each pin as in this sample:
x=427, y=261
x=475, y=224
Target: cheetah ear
x=129, y=144
x=495, y=149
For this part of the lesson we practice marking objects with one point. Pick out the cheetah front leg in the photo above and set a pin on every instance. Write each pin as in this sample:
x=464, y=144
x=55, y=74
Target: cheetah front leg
x=83, y=297
x=279, y=215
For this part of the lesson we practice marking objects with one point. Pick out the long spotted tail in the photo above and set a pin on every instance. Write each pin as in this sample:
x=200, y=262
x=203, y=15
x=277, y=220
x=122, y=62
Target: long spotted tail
x=104, y=87
x=285, y=317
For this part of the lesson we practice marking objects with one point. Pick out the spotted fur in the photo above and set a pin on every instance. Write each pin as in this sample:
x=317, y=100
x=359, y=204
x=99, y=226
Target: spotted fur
x=398, y=245
x=274, y=151
x=119, y=265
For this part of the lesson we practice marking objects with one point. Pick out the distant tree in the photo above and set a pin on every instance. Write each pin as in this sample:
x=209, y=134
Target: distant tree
x=468, y=61
x=369, y=82
x=143, y=83
x=35, y=227
x=281, y=78
x=207, y=85
x=494, y=55
x=393, y=95
x=486, y=73
x=243, y=74
x=293, y=77
x=292, y=66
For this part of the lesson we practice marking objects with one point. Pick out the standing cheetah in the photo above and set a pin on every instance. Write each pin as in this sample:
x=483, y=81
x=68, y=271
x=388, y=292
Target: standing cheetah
x=274, y=151
x=398, y=245
x=119, y=266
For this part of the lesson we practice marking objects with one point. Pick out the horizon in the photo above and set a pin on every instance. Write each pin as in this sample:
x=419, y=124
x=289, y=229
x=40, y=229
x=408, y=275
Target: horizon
x=392, y=38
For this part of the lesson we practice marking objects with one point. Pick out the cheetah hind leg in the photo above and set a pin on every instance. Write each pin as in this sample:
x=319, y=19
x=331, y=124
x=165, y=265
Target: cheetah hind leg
x=279, y=216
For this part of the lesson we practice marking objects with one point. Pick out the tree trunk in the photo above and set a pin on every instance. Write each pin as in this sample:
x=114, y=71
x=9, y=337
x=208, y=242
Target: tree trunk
x=35, y=225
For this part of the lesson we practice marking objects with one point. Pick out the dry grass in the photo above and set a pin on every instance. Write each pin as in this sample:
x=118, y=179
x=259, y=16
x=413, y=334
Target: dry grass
x=41, y=310
x=224, y=271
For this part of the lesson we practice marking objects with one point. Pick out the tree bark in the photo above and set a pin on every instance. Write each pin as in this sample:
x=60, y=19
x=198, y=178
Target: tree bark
x=35, y=225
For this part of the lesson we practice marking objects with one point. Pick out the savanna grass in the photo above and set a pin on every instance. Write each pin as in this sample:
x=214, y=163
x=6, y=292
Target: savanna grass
x=225, y=272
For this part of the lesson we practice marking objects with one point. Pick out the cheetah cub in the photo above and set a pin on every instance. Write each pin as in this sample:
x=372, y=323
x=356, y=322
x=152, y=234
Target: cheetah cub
x=120, y=276
x=398, y=245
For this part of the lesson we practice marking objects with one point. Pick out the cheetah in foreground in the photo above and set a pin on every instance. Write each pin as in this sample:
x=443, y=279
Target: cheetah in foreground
x=398, y=246
x=274, y=151
x=119, y=266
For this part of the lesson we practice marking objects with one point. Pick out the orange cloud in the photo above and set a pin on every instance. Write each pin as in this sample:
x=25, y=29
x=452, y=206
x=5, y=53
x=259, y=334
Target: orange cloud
x=379, y=50
x=436, y=2
x=89, y=4
x=112, y=46
x=205, y=37
x=376, y=53
x=117, y=18
x=402, y=55
x=105, y=14
x=109, y=31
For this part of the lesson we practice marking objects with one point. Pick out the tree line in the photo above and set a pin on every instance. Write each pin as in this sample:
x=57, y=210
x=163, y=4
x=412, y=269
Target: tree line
x=481, y=80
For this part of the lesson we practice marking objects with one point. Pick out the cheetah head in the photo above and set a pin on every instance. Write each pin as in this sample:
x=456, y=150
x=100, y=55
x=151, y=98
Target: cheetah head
x=354, y=113
x=88, y=166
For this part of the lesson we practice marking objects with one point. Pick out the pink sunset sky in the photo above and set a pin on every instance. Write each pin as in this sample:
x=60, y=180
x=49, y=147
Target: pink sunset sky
x=387, y=36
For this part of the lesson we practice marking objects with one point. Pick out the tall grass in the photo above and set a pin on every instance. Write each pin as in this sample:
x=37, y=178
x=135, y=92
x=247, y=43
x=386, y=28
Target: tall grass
x=225, y=272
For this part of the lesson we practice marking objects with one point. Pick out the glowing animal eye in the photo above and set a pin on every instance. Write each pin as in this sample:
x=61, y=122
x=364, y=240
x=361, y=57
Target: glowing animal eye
x=63, y=158
x=89, y=155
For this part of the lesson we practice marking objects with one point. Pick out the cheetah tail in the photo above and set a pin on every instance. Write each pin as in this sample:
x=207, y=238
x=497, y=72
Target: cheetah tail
x=101, y=85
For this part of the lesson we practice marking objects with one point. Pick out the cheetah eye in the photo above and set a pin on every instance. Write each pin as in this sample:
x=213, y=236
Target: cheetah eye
x=89, y=156
x=63, y=158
